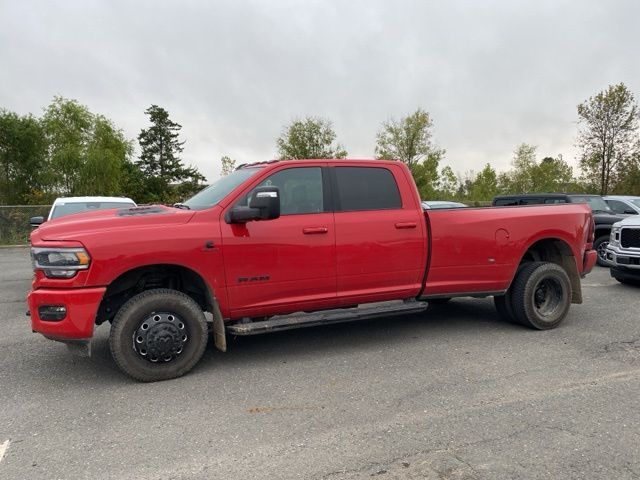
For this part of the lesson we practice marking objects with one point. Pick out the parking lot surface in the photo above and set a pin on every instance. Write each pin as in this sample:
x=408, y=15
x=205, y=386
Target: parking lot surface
x=451, y=393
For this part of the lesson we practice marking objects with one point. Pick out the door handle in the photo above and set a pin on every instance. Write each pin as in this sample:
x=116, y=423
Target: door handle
x=314, y=230
x=406, y=225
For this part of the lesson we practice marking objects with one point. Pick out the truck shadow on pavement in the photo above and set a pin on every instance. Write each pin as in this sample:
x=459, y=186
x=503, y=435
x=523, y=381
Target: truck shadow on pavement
x=460, y=318
x=456, y=320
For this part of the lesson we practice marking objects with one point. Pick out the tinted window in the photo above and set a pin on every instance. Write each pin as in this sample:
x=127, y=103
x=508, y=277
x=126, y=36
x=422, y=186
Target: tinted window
x=300, y=190
x=596, y=203
x=617, y=206
x=505, y=202
x=555, y=200
x=366, y=188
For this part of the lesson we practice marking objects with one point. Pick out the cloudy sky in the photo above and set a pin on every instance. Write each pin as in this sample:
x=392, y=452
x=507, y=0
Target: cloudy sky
x=492, y=74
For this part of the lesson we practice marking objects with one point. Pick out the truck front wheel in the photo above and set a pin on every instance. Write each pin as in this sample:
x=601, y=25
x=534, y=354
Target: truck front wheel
x=157, y=335
x=541, y=295
x=600, y=246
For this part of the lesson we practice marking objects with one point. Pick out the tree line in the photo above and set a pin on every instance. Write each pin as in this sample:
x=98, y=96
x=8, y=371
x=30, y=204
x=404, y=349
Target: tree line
x=72, y=151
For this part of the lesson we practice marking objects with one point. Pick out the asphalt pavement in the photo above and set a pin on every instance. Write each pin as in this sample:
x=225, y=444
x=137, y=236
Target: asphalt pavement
x=453, y=393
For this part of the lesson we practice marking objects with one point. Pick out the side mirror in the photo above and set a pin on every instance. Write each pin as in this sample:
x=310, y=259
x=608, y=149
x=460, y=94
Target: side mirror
x=267, y=200
x=630, y=212
x=264, y=205
x=36, y=221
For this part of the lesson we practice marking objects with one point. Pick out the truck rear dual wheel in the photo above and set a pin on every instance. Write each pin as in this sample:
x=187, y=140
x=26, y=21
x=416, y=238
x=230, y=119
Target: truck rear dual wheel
x=157, y=335
x=539, y=297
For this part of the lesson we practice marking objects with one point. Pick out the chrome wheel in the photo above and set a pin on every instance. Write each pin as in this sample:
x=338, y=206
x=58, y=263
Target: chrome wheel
x=602, y=251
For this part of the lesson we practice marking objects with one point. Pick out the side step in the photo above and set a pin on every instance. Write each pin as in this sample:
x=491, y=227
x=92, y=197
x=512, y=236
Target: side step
x=301, y=320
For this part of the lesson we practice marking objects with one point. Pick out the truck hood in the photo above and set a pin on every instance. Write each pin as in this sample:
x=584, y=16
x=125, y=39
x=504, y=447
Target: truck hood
x=74, y=227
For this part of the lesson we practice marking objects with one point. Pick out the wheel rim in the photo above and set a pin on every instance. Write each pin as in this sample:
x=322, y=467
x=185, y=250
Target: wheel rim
x=160, y=337
x=602, y=251
x=547, y=297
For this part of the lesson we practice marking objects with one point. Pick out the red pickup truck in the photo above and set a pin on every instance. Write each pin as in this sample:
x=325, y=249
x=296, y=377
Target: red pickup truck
x=325, y=238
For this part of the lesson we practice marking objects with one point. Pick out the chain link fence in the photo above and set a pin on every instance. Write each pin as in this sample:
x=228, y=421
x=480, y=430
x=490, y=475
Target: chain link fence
x=14, y=222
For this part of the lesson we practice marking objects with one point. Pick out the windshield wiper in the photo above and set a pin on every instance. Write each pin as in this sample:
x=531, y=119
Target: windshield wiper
x=182, y=206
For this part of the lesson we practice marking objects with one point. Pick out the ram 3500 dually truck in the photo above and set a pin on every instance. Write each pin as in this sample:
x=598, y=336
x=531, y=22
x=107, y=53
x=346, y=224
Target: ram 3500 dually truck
x=324, y=238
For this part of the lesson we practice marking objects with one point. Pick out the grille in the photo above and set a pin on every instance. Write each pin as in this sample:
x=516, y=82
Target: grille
x=630, y=238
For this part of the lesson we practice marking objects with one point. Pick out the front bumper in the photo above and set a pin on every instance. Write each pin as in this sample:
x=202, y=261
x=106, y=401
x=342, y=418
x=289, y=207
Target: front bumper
x=81, y=307
x=623, y=258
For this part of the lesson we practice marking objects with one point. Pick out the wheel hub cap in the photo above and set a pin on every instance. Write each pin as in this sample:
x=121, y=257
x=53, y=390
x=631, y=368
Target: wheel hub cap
x=160, y=337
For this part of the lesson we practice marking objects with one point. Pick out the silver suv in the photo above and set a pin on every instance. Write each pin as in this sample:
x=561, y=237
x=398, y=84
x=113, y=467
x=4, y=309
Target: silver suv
x=623, y=251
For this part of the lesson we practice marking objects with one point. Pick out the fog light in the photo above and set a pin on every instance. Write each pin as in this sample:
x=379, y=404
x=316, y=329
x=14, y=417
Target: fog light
x=52, y=313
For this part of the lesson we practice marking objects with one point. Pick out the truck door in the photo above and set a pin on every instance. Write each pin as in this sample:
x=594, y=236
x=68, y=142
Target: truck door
x=289, y=260
x=380, y=234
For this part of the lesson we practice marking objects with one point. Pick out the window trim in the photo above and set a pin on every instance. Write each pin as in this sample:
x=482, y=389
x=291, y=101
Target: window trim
x=337, y=207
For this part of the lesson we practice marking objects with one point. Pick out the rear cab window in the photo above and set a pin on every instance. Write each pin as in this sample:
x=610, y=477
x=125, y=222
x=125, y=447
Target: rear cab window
x=366, y=188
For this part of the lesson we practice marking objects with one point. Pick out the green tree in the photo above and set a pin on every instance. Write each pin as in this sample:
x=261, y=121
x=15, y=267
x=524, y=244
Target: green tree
x=448, y=184
x=410, y=140
x=553, y=175
x=228, y=165
x=484, y=186
x=23, y=148
x=88, y=155
x=608, y=135
x=167, y=179
x=311, y=137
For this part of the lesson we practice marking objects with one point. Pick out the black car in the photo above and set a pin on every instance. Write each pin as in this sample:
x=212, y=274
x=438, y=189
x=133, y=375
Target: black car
x=603, y=216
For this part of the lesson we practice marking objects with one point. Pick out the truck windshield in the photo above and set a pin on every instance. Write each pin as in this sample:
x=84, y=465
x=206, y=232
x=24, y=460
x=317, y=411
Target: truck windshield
x=215, y=192
x=597, y=204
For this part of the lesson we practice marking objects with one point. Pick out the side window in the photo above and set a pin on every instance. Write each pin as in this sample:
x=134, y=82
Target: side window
x=555, y=200
x=505, y=202
x=530, y=201
x=617, y=206
x=300, y=190
x=366, y=188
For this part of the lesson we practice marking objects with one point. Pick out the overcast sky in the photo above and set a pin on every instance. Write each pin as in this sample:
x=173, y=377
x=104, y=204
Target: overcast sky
x=492, y=74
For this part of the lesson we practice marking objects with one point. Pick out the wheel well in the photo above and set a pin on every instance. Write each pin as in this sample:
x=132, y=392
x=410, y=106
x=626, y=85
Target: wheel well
x=556, y=251
x=601, y=232
x=139, y=279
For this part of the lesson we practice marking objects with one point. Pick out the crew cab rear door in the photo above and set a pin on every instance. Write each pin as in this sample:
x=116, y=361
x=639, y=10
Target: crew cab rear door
x=380, y=233
x=289, y=260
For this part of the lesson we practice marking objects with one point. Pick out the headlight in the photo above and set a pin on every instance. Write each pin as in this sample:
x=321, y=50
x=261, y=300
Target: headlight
x=615, y=235
x=60, y=262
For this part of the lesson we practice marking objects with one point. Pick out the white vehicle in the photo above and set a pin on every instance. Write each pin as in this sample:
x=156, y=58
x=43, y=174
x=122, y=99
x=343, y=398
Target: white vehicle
x=438, y=204
x=69, y=205
x=625, y=204
x=623, y=251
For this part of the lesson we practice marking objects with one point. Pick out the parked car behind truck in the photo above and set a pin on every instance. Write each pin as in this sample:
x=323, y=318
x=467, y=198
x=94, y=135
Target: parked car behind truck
x=623, y=251
x=603, y=215
x=275, y=238
x=69, y=205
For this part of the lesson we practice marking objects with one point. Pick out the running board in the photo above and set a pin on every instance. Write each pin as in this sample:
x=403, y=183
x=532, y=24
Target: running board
x=328, y=317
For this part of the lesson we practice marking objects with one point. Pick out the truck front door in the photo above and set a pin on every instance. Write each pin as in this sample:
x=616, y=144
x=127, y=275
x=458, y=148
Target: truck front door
x=290, y=260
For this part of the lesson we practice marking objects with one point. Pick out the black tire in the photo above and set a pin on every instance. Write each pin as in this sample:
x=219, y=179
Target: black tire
x=503, y=306
x=600, y=246
x=503, y=302
x=541, y=295
x=173, y=321
x=439, y=301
